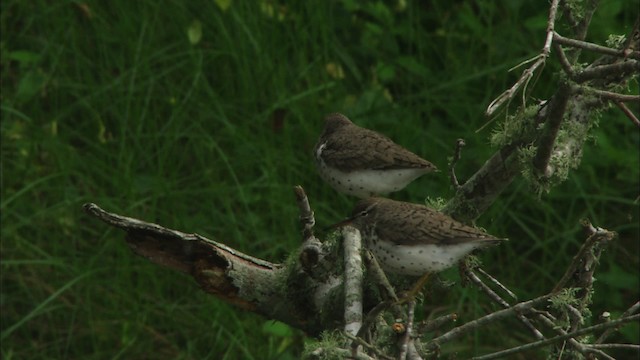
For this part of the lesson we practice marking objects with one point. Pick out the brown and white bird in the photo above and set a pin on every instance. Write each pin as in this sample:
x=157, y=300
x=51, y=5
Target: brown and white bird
x=413, y=239
x=361, y=162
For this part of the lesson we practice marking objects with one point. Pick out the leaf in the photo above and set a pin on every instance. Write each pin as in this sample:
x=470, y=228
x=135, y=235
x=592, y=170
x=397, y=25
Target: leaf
x=276, y=328
x=30, y=85
x=24, y=57
x=194, y=32
x=413, y=66
x=223, y=4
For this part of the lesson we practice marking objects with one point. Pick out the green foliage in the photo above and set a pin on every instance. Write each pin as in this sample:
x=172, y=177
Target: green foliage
x=324, y=349
x=201, y=116
x=520, y=128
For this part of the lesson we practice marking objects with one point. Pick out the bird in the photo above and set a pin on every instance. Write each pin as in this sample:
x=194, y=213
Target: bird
x=413, y=239
x=363, y=163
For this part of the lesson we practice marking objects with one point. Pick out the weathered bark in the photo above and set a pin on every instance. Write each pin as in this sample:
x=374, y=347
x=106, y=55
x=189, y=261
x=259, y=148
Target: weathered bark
x=276, y=291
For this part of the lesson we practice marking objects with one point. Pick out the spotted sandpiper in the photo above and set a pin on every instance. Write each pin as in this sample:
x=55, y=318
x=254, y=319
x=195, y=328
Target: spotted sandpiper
x=413, y=239
x=361, y=162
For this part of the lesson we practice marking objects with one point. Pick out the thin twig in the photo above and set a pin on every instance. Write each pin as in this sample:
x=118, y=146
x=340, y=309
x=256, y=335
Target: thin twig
x=431, y=325
x=379, y=277
x=369, y=320
x=616, y=346
x=558, y=338
x=498, y=315
x=595, y=235
x=618, y=69
x=608, y=332
x=527, y=74
x=375, y=350
x=307, y=219
x=627, y=112
x=500, y=301
x=564, y=61
x=581, y=348
x=496, y=283
x=404, y=342
x=594, y=47
x=456, y=156
x=608, y=95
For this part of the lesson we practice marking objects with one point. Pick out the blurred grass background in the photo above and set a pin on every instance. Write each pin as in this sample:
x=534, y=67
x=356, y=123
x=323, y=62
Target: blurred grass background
x=201, y=116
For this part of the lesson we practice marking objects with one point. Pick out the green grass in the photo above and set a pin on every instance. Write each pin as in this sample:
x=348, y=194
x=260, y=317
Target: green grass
x=119, y=108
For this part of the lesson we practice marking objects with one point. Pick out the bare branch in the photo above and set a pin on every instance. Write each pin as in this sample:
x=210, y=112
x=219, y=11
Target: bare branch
x=595, y=236
x=408, y=333
x=564, y=61
x=353, y=275
x=558, y=338
x=616, y=346
x=614, y=70
x=496, y=282
x=608, y=95
x=480, y=191
x=500, y=301
x=527, y=74
x=307, y=219
x=594, y=47
x=630, y=311
x=431, y=325
x=237, y=278
x=581, y=348
x=360, y=341
x=627, y=112
x=546, y=142
x=456, y=156
x=457, y=332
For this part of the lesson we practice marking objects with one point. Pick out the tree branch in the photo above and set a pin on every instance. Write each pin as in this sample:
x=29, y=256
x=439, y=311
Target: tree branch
x=594, y=47
x=558, y=338
x=237, y=278
x=547, y=141
x=353, y=275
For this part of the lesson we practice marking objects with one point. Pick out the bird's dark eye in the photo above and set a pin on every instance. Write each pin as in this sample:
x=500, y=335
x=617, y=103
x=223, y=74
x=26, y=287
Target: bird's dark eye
x=363, y=213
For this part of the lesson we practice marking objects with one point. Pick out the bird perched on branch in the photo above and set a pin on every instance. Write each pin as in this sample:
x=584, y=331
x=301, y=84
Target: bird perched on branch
x=361, y=162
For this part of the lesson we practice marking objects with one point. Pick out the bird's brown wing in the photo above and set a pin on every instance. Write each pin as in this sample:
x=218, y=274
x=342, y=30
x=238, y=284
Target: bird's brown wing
x=418, y=224
x=361, y=148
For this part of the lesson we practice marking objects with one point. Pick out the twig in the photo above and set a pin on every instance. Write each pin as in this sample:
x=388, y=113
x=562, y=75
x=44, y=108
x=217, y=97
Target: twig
x=618, y=69
x=311, y=250
x=581, y=348
x=498, y=315
x=353, y=275
x=496, y=283
x=616, y=346
x=375, y=350
x=456, y=156
x=564, y=61
x=307, y=219
x=431, y=325
x=404, y=342
x=608, y=95
x=610, y=331
x=375, y=271
x=527, y=74
x=627, y=112
x=595, y=235
x=558, y=338
x=371, y=317
x=500, y=301
x=547, y=140
x=594, y=47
